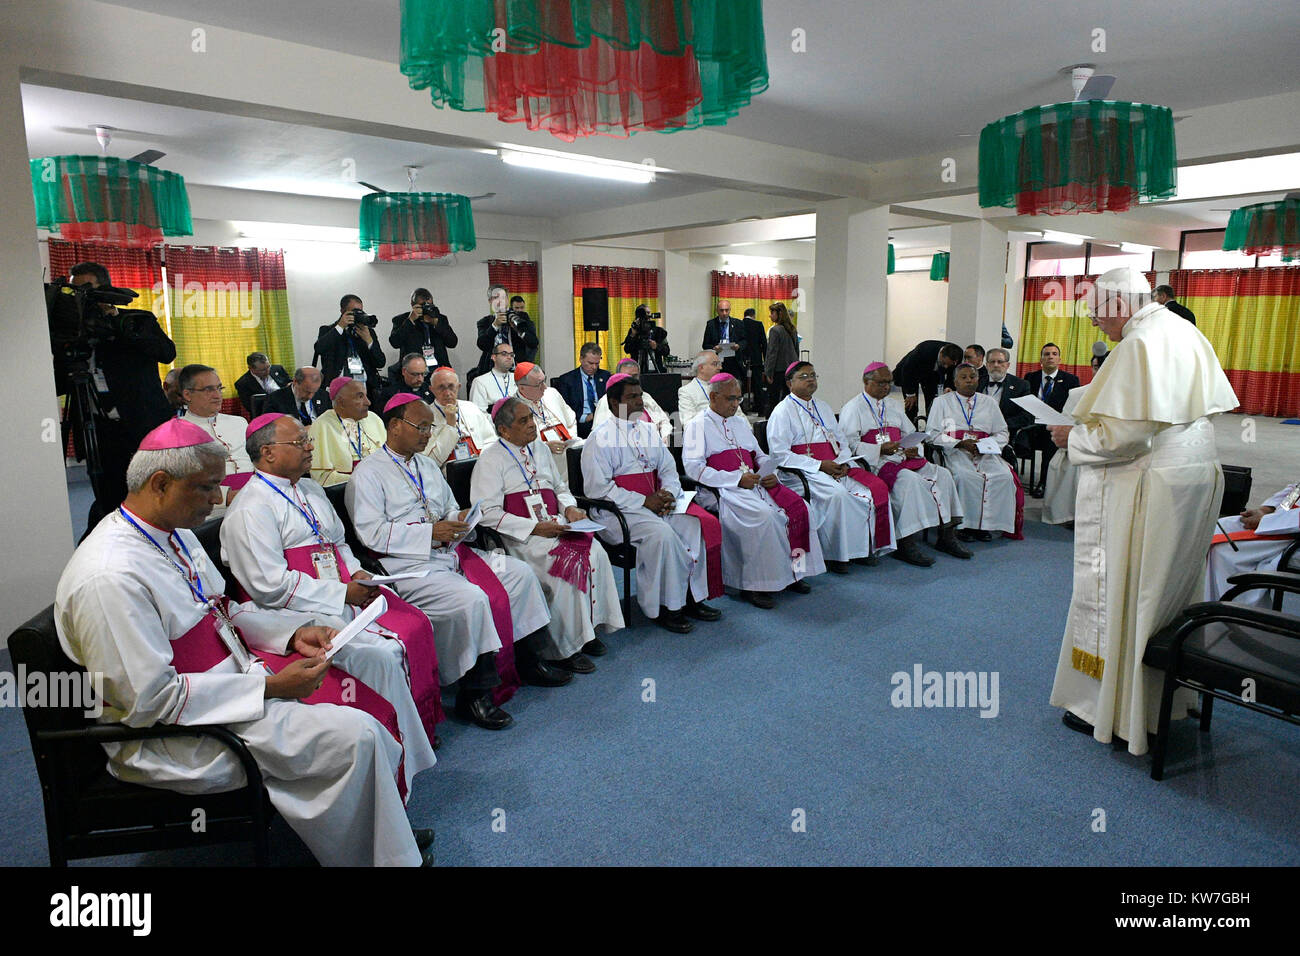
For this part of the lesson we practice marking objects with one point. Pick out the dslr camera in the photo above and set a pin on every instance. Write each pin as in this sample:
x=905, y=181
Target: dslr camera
x=428, y=308
x=363, y=318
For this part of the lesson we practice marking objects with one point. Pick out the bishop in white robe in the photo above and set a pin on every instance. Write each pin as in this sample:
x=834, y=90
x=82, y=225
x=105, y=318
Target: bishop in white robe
x=525, y=499
x=461, y=430
x=1254, y=551
x=142, y=605
x=768, y=541
x=345, y=434
x=651, y=412
x=693, y=397
x=557, y=426
x=1150, y=486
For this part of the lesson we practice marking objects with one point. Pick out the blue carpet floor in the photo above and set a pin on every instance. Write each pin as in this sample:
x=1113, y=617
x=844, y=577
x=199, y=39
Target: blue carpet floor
x=769, y=713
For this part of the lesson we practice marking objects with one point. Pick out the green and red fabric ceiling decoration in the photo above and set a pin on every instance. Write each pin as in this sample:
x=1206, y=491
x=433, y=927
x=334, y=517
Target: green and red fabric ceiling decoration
x=399, y=227
x=1266, y=228
x=106, y=199
x=578, y=67
x=939, y=267
x=1084, y=156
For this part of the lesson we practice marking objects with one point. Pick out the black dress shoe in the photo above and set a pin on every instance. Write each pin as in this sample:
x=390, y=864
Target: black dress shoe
x=436, y=742
x=983, y=535
x=760, y=599
x=544, y=674
x=1076, y=723
x=674, y=621
x=1037, y=491
x=837, y=567
x=869, y=561
x=595, y=648
x=909, y=552
x=483, y=712
x=423, y=837
x=426, y=858
x=950, y=545
x=965, y=534
x=701, y=612
x=799, y=587
x=577, y=664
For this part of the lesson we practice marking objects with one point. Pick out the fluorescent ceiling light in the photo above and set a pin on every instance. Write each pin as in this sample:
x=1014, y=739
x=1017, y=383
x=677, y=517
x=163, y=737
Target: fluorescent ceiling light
x=757, y=264
x=1134, y=247
x=1238, y=177
x=1069, y=238
x=295, y=232
x=579, y=166
x=912, y=264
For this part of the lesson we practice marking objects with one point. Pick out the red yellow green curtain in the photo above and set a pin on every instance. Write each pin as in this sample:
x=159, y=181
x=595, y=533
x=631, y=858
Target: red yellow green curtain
x=519, y=278
x=754, y=292
x=1054, y=311
x=628, y=288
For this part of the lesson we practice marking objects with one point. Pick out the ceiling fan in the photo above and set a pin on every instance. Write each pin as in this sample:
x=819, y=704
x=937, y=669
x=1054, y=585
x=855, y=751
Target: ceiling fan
x=104, y=134
x=411, y=173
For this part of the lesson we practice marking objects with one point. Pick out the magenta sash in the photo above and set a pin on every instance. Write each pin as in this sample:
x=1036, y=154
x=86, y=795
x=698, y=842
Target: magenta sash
x=888, y=472
x=478, y=573
x=823, y=451
x=201, y=648
x=413, y=630
x=647, y=483
x=961, y=434
x=795, y=508
x=572, y=551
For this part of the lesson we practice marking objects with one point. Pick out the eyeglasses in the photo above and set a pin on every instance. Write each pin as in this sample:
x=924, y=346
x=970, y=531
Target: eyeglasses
x=301, y=442
x=807, y=376
x=209, y=388
x=511, y=354
x=422, y=429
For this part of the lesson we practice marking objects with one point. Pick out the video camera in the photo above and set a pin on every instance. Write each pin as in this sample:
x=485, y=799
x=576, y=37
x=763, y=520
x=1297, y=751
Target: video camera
x=77, y=324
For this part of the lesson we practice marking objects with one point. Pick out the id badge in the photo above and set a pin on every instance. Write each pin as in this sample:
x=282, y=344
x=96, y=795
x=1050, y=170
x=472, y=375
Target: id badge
x=355, y=367
x=555, y=433
x=326, y=565
x=969, y=435
x=101, y=383
x=882, y=437
x=461, y=452
x=536, y=507
x=233, y=644
x=430, y=355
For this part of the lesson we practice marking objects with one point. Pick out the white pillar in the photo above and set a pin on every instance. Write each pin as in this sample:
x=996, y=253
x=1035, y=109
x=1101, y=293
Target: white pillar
x=852, y=249
x=977, y=269
x=34, y=507
x=555, y=274
x=683, y=307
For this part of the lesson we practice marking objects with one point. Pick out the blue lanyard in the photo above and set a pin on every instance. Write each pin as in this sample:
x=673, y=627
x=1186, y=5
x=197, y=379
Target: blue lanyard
x=969, y=416
x=417, y=479
x=312, y=521
x=814, y=414
x=703, y=389
x=879, y=415
x=459, y=434
x=527, y=481
x=193, y=580
x=357, y=446
x=503, y=389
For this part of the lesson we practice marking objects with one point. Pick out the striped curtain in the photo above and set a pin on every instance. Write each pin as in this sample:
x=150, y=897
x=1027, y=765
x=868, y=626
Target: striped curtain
x=628, y=288
x=754, y=292
x=519, y=278
x=137, y=269
x=1252, y=318
x=1054, y=311
x=226, y=303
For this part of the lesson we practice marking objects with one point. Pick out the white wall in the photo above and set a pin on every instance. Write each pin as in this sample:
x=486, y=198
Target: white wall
x=918, y=310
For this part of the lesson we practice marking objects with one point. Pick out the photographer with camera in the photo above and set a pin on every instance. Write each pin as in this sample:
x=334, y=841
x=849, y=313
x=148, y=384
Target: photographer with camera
x=646, y=343
x=124, y=349
x=424, y=330
x=350, y=347
x=504, y=326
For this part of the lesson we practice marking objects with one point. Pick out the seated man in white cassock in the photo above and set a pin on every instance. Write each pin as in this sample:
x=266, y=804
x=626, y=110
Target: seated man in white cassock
x=854, y=521
x=200, y=387
x=693, y=397
x=557, y=426
x=922, y=495
x=526, y=500
x=991, y=496
x=768, y=542
x=678, y=556
x=652, y=412
x=497, y=382
x=142, y=605
x=345, y=434
x=285, y=546
x=1255, y=551
x=489, y=616
x=1061, y=486
x=461, y=430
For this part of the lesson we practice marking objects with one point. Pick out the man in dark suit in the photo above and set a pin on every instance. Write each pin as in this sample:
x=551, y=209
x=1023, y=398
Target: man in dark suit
x=1052, y=384
x=305, y=399
x=1164, y=294
x=349, y=348
x=723, y=328
x=413, y=379
x=646, y=332
x=755, y=349
x=424, y=330
x=125, y=369
x=583, y=386
x=1004, y=386
x=504, y=325
x=925, y=370
x=261, y=378
x=975, y=359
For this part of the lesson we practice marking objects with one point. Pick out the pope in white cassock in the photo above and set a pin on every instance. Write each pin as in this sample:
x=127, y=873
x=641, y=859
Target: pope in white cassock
x=345, y=434
x=461, y=430
x=142, y=605
x=678, y=555
x=201, y=391
x=1150, y=486
x=1254, y=551
x=991, y=496
x=851, y=505
x=557, y=426
x=489, y=616
x=652, y=412
x=693, y=397
x=286, y=548
x=526, y=500
x=768, y=541
x=1061, y=486
x=922, y=495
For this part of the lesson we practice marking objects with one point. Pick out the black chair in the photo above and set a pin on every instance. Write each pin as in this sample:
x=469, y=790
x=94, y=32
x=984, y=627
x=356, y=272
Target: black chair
x=1215, y=647
x=458, y=477
x=89, y=812
x=209, y=535
x=760, y=435
x=368, y=560
x=1236, y=490
x=621, y=555
x=259, y=400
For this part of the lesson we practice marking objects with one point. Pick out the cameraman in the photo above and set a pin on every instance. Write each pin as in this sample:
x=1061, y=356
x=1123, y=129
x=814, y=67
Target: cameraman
x=504, y=325
x=646, y=342
x=424, y=331
x=350, y=347
x=130, y=347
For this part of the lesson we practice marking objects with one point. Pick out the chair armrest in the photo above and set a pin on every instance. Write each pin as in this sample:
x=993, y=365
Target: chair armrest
x=1257, y=580
x=116, y=733
x=807, y=492
x=488, y=539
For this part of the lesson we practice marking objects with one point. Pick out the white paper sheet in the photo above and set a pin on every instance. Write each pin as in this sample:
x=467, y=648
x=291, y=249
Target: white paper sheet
x=1043, y=413
x=684, y=502
x=767, y=468
x=988, y=446
x=585, y=524
x=379, y=579
x=1280, y=522
x=358, y=624
x=912, y=441
x=472, y=519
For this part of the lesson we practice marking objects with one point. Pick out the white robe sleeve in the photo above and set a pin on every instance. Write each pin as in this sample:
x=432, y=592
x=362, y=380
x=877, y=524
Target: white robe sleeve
x=695, y=455
x=402, y=538
x=934, y=425
x=1275, y=502
x=487, y=484
x=599, y=462
x=546, y=465
x=1106, y=441
x=1000, y=432
x=253, y=550
x=443, y=440
x=668, y=478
